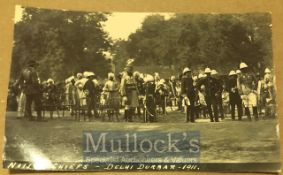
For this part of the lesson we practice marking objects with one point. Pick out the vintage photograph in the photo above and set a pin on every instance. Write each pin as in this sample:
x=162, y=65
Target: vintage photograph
x=127, y=91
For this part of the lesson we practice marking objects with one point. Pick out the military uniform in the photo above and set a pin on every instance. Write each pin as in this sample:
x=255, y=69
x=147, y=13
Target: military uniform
x=130, y=91
x=218, y=95
x=211, y=90
x=31, y=88
x=187, y=89
x=235, y=98
x=90, y=91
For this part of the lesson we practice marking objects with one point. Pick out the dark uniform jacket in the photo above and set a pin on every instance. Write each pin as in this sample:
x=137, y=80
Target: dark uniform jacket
x=211, y=86
x=187, y=86
x=89, y=88
x=149, y=88
x=233, y=90
x=232, y=84
x=140, y=86
x=29, y=81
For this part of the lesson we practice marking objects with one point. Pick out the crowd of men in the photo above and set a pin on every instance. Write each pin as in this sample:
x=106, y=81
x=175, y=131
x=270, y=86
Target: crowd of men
x=147, y=96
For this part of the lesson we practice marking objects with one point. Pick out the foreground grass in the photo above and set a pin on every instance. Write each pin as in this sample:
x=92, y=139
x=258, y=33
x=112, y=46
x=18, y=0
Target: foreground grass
x=224, y=142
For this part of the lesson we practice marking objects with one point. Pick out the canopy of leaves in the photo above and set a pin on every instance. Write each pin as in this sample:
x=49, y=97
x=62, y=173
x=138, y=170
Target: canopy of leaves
x=62, y=42
x=220, y=41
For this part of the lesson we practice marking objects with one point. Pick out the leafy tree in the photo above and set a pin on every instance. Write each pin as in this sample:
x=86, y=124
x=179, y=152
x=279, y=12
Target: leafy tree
x=219, y=41
x=63, y=42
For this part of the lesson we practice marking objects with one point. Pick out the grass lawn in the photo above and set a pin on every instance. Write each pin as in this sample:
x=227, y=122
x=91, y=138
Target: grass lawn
x=60, y=140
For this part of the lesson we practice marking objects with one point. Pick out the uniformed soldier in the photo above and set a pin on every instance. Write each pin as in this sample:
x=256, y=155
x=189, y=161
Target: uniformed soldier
x=31, y=87
x=247, y=86
x=129, y=91
x=150, y=105
x=211, y=90
x=234, y=96
x=187, y=90
x=218, y=94
x=90, y=91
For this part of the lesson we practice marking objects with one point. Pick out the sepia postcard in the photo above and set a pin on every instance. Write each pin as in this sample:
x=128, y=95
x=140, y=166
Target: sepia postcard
x=141, y=91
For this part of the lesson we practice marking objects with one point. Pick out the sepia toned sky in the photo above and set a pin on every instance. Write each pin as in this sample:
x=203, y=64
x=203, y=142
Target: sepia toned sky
x=114, y=26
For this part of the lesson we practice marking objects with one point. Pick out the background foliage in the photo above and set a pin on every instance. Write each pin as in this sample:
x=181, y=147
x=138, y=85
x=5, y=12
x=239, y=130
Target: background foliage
x=63, y=42
x=66, y=42
x=220, y=41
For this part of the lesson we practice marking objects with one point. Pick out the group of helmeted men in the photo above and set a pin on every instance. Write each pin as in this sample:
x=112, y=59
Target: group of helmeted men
x=243, y=90
x=136, y=92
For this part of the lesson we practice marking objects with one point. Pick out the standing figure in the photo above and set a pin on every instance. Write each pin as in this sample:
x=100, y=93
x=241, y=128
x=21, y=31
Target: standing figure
x=90, y=91
x=51, y=97
x=149, y=101
x=111, y=90
x=211, y=89
x=268, y=94
x=141, y=91
x=21, y=100
x=21, y=105
x=72, y=96
x=179, y=95
x=234, y=96
x=218, y=94
x=161, y=95
x=197, y=103
x=129, y=92
x=31, y=87
x=225, y=99
x=247, y=86
x=188, y=92
x=79, y=83
x=173, y=91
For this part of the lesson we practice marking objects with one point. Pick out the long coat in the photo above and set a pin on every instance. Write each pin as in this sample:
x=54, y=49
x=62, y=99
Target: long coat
x=129, y=89
x=29, y=81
